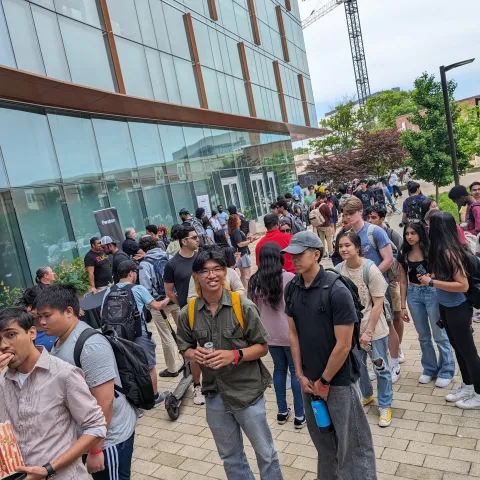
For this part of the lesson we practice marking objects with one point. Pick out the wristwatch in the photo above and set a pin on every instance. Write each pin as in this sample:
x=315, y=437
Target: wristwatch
x=324, y=382
x=240, y=355
x=430, y=283
x=50, y=471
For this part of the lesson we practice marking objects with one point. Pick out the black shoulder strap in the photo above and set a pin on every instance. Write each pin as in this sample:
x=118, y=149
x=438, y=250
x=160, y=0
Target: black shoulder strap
x=84, y=336
x=291, y=286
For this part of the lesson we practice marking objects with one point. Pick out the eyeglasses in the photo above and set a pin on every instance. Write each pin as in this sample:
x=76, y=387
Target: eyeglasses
x=8, y=338
x=195, y=237
x=288, y=230
x=206, y=272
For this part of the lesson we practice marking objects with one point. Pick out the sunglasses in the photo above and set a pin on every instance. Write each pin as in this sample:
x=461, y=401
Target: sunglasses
x=288, y=230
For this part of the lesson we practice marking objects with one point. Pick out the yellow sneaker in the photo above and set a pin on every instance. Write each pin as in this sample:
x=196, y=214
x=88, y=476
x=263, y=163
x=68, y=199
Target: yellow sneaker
x=385, y=417
x=367, y=400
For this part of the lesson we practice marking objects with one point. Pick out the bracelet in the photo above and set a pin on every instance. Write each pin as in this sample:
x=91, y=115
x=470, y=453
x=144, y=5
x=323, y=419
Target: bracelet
x=322, y=386
x=95, y=452
x=300, y=377
x=235, y=354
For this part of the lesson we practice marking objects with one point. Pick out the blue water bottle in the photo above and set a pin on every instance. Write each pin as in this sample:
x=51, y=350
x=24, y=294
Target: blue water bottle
x=322, y=417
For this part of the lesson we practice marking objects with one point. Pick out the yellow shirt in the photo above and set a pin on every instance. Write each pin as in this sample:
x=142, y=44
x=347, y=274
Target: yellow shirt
x=319, y=189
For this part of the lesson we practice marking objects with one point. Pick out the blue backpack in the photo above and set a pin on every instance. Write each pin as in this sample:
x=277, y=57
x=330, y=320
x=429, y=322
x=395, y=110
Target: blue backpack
x=157, y=282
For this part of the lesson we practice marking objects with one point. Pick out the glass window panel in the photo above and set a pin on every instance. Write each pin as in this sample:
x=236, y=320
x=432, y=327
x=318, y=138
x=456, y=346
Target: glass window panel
x=87, y=55
x=276, y=107
x=43, y=219
x=23, y=36
x=147, y=147
x=288, y=26
x=134, y=68
x=222, y=83
x=82, y=201
x=266, y=103
x=176, y=31
x=260, y=9
x=222, y=40
x=197, y=6
x=187, y=82
x=211, y=88
x=243, y=108
x=51, y=44
x=6, y=51
x=173, y=142
x=276, y=44
x=257, y=96
x=124, y=19
x=203, y=43
x=252, y=66
x=217, y=54
x=3, y=171
x=87, y=11
x=182, y=196
x=45, y=3
x=234, y=56
x=271, y=15
x=156, y=75
x=231, y=94
x=243, y=22
x=228, y=15
x=265, y=36
x=31, y=161
x=259, y=59
x=158, y=16
x=157, y=202
x=76, y=147
x=146, y=23
x=170, y=77
x=115, y=147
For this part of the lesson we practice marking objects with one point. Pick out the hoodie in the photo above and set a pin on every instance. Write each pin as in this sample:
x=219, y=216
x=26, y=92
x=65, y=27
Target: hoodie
x=148, y=277
x=173, y=248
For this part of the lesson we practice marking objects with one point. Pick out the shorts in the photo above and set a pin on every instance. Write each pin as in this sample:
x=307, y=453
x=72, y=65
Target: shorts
x=395, y=292
x=244, y=261
x=334, y=220
x=149, y=346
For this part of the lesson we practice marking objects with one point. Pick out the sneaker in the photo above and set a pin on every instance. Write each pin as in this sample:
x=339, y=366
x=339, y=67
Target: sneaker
x=385, y=418
x=198, y=397
x=461, y=393
x=299, y=424
x=395, y=374
x=367, y=400
x=159, y=399
x=425, y=379
x=472, y=403
x=282, y=418
x=166, y=373
x=476, y=317
x=443, y=382
x=372, y=375
x=401, y=355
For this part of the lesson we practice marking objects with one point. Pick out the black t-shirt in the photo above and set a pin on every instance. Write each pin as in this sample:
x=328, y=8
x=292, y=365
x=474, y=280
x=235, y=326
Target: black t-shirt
x=102, y=272
x=178, y=271
x=236, y=237
x=316, y=330
x=365, y=197
x=130, y=247
x=117, y=258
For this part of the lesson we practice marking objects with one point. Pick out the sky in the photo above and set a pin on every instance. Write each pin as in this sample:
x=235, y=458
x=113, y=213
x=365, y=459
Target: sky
x=402, y=39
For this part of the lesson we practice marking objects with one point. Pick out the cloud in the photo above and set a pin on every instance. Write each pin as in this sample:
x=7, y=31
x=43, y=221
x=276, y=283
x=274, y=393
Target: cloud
x=402, y=39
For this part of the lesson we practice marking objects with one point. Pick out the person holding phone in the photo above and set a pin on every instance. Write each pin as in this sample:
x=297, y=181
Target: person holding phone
x=423, y=305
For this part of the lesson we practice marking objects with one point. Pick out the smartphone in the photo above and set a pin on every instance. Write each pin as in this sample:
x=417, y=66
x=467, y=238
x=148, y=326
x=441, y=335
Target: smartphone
x=421, y=270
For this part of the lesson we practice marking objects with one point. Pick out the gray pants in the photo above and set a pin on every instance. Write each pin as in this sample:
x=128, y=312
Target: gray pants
x=347, y=453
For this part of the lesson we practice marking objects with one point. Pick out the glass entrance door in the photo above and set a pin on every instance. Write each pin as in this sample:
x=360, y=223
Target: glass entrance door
x=259, y=195
x=272, y=186
x=231, y=192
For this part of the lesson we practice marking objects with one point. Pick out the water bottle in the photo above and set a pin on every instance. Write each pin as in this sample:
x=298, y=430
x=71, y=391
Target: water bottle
x=322, y=417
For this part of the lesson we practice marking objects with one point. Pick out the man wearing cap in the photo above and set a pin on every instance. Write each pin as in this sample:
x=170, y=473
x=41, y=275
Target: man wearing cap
x=321, y=316
x=109, y=246
x=462, y=198
x=189, y=221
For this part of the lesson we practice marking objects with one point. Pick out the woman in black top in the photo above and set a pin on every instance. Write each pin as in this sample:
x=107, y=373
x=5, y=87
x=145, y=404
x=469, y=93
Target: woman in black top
x=240, y=243
x=228, y=251
x=423, y=305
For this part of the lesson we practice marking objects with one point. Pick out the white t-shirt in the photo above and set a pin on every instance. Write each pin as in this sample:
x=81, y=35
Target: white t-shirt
x=21, y=377
x=377, y=286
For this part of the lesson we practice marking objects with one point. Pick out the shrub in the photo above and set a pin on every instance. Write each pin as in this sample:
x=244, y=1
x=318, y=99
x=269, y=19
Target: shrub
x=8, y=295
x=447, y=205
x=73, y=273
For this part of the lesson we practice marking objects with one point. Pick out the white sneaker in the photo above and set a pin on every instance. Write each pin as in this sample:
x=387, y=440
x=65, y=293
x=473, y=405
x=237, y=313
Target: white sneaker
x=198, y=397
x=425, y=379
x=395, y=374
x=443, y=382
x=401, y=355
x=471, y=403
x=372, y=374
x=461, y=393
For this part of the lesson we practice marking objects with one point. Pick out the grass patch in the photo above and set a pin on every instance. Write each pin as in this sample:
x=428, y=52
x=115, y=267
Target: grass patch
x=447, y=205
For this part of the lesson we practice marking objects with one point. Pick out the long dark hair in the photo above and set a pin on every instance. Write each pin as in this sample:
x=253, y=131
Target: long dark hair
x=267, y=282
x=424, y=243
x=426, y=206
x=447, y=255
x=220, y=238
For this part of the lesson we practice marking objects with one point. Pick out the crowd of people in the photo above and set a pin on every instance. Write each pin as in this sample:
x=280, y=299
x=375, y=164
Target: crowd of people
x=333, y=331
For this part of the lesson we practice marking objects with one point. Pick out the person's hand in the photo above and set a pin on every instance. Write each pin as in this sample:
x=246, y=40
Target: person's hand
x=322, y=391
x=306, y=385
x=81, y=313
x=93, y=290
x=366, y=337
x=198, y=355
x=405, y=316
x=219, y=358
x=95, y=463
x=164, y=302
x=424, y=279
x=5, y=359
x=238, y=256
x=34, y=473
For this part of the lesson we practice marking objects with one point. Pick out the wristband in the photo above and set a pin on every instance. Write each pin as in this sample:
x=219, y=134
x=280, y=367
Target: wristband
x=300, y=377
x=95, y=452
x=235, y=354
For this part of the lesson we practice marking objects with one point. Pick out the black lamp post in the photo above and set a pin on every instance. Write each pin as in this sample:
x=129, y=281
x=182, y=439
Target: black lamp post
x=443, y=79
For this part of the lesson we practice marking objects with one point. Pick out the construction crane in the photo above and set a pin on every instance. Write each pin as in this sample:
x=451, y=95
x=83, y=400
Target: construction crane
x=356, y=41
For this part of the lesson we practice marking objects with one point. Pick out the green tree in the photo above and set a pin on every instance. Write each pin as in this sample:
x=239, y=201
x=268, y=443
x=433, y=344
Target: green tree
x=469, y=124
x=300, y=150
x=429, y=148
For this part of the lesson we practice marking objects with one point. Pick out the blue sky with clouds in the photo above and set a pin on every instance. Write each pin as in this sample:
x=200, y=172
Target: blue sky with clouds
x=402, y=39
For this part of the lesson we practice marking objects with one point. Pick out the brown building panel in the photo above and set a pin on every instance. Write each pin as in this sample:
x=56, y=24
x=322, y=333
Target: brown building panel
x=113, y=47
x=288, y=5
x=281, y=29
x=196, y=59
x=278, y=80
x=253, y=21
x=212, y=8
x=301, y=84
x=246, y=78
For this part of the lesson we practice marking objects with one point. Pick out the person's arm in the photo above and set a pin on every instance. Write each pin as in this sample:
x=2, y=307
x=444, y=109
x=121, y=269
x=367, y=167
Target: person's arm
x=145, y=279
x=476, y=216
x=297, y=357
x=343, y=337
x=236, y=284
x=159, y=305
x=387, y=258
x=375, y=313
x=192, y=292
x=403, y=294
x=91, y=278
x=169, y=287
x=459, y=284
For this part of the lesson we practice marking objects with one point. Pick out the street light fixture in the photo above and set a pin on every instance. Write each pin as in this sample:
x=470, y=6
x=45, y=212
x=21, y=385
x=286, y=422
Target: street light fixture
x=448, y=114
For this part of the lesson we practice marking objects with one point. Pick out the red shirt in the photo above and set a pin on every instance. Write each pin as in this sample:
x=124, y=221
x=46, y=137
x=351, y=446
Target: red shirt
x=282, y=239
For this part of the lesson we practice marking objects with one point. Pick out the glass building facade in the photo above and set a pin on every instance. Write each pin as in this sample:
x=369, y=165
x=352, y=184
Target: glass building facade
x=57, y=166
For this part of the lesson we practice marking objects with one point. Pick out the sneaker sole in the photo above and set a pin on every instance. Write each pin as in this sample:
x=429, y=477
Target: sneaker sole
x=457, y=399
x=198, y=403
x=299, y=427
x=384, y=424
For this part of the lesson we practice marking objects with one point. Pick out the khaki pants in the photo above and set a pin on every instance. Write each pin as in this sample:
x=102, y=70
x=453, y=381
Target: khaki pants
x=170, y=349
x=326, y=236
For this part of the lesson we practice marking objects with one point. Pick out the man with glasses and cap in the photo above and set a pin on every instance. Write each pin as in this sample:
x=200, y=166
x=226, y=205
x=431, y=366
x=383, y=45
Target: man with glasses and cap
x=321, y=319
x=109, y=246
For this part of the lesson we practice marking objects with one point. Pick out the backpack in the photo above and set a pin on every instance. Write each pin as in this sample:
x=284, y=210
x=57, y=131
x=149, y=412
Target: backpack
x=297, y=224
x=303, y=215
x=473, y=274
x=379, y=196
x=121, y=253
x=131, y=364
x=120, y=313
x=244, y=224
x=414, y=210
x=393, y=272
x=470, y=212
x=316, y=218
x=159, y=269
x=202, y=235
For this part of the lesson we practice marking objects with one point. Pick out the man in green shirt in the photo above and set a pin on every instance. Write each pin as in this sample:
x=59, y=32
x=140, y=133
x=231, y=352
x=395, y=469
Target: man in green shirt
x=310, y=198
x=234, y=378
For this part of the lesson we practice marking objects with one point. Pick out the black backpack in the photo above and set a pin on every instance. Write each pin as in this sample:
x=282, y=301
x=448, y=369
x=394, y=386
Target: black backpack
x=379, y=196
x=414, y=210
x=244, y=225
x=473, y=275
x=131, y=364
x=120, y=313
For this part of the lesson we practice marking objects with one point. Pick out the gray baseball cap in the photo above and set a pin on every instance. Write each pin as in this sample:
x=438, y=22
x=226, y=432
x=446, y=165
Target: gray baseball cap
x=106, y=240
x=301, y=241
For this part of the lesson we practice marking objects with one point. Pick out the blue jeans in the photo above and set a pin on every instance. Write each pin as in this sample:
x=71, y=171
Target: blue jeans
x=423, y=305
x=384, y=377
x=282, y=360
x=389, y=197
x=227, y=429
